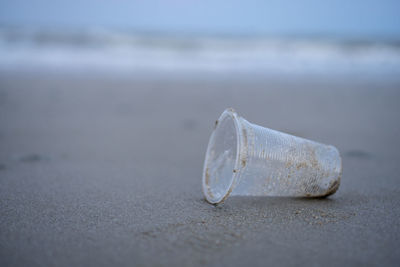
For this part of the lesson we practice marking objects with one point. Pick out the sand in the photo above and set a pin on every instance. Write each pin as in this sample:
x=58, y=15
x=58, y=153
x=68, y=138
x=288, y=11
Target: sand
x=103, y=171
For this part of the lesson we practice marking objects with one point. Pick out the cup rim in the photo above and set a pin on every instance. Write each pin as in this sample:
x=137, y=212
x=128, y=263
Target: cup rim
x=228, y=113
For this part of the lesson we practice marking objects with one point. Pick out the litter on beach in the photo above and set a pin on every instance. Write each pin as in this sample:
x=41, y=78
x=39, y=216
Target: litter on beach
x=245, y=159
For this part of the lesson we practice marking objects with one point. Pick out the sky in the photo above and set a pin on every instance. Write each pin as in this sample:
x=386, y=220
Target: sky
x=367, y=18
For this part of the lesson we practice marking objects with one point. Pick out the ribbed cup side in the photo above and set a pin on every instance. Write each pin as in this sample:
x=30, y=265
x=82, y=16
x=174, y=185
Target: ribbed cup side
x=279, y=164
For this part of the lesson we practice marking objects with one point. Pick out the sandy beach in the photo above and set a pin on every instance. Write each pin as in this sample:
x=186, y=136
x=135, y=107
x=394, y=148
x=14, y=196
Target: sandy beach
x=101, y=171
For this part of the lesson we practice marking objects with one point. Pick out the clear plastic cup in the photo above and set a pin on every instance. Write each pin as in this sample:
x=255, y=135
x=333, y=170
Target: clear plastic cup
x=245, y=159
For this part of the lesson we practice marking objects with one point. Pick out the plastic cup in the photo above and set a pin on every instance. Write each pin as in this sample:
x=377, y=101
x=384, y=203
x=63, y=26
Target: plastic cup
x=245, y=159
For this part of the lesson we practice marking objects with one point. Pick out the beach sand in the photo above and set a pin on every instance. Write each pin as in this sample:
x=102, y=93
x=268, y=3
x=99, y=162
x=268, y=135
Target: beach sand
x=102, y=171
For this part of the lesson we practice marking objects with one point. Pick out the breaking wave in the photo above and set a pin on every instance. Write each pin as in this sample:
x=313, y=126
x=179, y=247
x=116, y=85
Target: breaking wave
x=132, y=52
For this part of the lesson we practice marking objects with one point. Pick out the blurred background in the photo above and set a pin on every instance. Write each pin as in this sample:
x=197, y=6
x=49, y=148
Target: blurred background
x=106, y=108
x=202, y=38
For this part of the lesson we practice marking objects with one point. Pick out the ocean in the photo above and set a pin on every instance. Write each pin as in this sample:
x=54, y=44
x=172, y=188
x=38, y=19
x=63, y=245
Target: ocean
x=143, y=53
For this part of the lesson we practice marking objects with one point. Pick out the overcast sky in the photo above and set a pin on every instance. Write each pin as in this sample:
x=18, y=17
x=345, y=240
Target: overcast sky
x=340, y=17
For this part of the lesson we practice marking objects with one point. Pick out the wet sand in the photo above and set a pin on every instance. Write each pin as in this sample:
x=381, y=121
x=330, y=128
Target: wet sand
x=107, y=171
